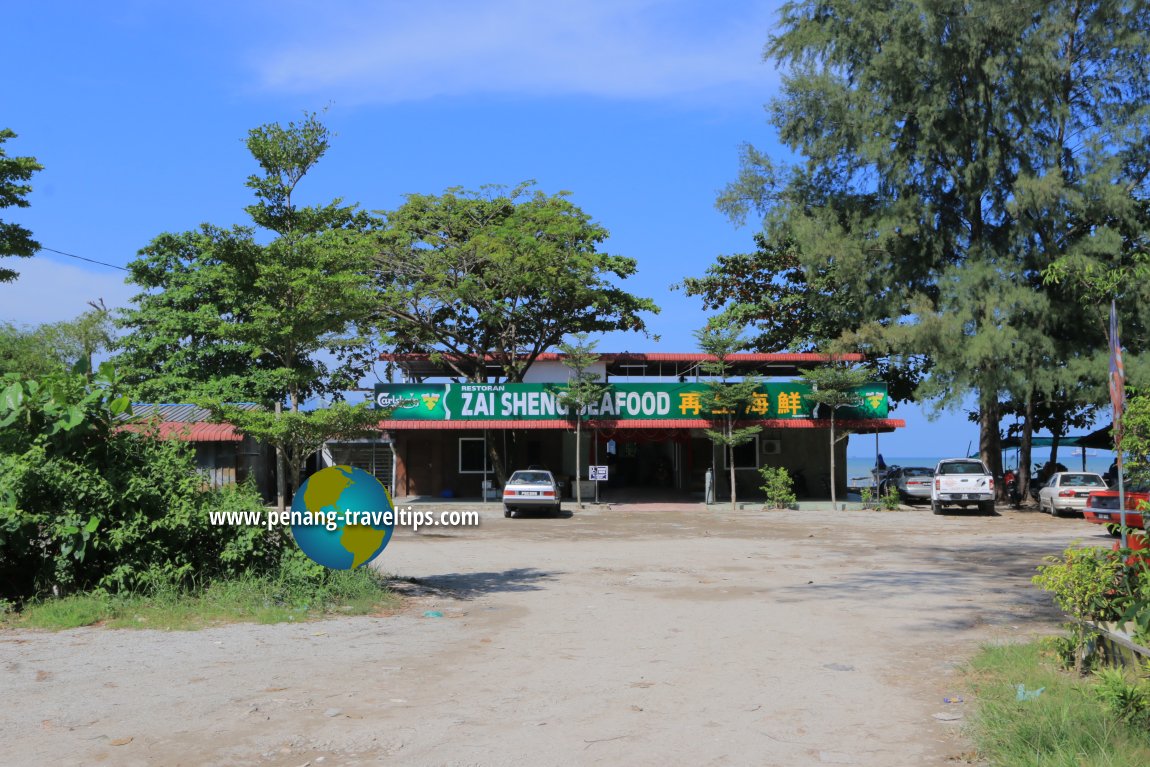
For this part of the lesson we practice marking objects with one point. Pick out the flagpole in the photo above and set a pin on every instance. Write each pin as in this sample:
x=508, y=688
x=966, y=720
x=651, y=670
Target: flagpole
x=1117, y=404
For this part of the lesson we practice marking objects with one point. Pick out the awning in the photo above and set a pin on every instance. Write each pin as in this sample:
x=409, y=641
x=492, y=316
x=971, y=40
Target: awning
x=1087, y=440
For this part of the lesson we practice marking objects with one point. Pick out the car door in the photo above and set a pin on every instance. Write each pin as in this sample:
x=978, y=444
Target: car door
x=1049, y=490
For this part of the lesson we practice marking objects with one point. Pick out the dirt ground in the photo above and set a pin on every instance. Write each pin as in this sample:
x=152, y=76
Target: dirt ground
x=662, y=635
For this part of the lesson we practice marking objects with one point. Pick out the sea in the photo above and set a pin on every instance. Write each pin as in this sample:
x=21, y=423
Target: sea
x=1097, y=461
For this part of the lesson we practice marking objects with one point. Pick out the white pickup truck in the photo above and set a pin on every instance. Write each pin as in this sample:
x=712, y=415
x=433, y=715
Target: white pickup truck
x=962, y=482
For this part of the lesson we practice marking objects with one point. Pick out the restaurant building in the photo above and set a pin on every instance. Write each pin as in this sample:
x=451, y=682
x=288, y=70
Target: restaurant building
x=648, y=428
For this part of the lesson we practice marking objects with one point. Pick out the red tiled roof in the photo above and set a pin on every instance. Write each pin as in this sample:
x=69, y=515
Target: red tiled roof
x=191, y=432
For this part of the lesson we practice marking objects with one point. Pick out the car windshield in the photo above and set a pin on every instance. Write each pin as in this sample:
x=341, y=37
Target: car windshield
x=961, y=467
x=1083, y=480
x=530, y=478
x=918, y=471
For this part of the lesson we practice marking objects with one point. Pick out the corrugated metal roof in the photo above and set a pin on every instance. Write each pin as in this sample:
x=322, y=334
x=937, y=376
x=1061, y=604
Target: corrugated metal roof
x=177, y=412
x=667, y=357
x=642, y=364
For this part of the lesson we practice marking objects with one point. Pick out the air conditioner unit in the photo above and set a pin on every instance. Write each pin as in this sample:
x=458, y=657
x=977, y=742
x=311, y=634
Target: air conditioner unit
x=770, y=447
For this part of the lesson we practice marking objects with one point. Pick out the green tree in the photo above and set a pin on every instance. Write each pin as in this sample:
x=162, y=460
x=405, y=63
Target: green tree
x=583, y=388
x=178, y=347
x=297, y=434
x=725, y=401
x=794, y=307
x=487, y=281
x=835, y=386
x=496, y=277
x=56, y=347
x=1136, y=440
x=952, y=155
x=224, y=316
x=15, y=172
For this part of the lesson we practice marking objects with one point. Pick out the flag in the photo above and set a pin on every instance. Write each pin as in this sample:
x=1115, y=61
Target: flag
x=1117, y=375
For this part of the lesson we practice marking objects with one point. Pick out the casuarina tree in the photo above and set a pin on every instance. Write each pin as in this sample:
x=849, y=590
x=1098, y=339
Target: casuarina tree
x=725, y=401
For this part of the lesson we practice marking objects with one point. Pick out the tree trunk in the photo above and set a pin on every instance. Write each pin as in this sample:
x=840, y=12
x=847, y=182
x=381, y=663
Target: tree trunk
x=731, y=461
x=1025, y=450
x=578, y=464
x=989, y=440
x=834, y=499
x=281, y=470
x=497, y=465
x=294, y=466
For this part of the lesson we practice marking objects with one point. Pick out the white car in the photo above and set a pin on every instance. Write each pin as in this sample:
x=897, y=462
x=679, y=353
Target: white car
x=531, y=489
x=1068, y=491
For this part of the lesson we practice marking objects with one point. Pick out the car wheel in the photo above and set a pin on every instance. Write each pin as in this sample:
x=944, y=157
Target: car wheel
x=986, y=507
x=1054, y=512
x=1114, y=530
x=935, y=507
x=508, y=512
x=557, y=510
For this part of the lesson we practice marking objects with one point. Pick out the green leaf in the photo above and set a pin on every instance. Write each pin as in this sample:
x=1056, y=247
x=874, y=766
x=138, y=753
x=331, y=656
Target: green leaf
x=12, y=397
x=73, y=417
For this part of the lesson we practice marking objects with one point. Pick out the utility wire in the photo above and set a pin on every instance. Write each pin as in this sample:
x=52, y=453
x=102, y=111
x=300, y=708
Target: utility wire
x=89, y=260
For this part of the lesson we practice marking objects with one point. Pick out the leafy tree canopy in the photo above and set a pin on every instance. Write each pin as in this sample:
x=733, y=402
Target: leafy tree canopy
x=56, y=347
x=954, y=159
x=223, y=315
x=15, y=172
x=501, y=274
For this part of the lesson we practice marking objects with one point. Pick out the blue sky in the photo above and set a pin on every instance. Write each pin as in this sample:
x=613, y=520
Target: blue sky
x=138, y=111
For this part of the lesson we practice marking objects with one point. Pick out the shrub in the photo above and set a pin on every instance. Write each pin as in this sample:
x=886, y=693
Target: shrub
x=778, y=486
x=1128, y=700
x=1087, y=583
x=84, y=505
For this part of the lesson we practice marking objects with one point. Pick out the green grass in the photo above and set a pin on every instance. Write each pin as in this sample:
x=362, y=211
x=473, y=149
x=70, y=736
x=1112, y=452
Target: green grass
x=248, y=599
x=1065, y=726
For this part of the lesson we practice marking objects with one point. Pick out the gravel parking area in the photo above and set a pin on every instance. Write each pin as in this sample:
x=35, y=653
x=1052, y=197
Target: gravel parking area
x=644, y=635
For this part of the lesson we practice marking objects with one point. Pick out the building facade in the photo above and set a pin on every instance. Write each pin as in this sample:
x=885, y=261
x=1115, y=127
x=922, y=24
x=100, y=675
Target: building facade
x=454, y=439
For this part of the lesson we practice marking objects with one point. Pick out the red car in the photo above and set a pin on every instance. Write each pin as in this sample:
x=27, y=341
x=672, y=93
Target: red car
x=1102, y=508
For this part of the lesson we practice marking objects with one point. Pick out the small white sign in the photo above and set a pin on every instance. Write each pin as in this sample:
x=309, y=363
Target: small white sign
x=597, y=473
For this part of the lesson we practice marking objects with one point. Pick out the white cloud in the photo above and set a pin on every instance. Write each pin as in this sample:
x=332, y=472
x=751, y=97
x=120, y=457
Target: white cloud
x=394, y=51
x=48, y=291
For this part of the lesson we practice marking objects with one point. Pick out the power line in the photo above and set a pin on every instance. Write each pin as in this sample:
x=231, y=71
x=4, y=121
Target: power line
x=89, y=260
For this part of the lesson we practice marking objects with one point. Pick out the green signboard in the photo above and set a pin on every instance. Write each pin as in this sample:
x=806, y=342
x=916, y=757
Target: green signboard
x=621, y=402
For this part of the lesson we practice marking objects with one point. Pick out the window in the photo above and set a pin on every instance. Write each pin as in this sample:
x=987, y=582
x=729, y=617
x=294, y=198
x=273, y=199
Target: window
x=473, y=456
x=746, y=455
x=1083, y=480
x=962, y=467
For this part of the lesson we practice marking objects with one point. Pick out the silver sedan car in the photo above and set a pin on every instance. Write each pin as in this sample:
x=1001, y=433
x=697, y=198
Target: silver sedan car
x=911, y=482
x=1067, y=491
x=531, y=489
